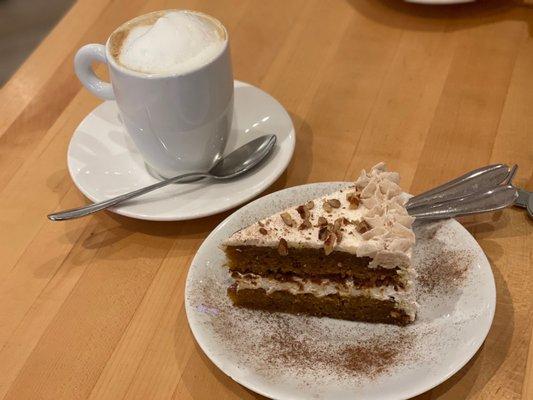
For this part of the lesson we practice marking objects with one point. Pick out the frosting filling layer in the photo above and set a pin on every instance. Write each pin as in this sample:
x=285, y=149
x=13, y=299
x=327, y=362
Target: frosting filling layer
x=403, y=298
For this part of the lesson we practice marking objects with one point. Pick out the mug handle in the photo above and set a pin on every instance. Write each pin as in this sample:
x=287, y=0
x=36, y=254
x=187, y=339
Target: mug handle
x=83, y=68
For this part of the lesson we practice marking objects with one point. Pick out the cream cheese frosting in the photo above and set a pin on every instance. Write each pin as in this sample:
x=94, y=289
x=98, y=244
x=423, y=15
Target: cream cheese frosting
x=388, y=241
x=403, y=298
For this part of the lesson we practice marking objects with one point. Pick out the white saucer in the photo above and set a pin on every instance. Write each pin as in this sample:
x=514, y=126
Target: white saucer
x=103, y=162
x=286, y=356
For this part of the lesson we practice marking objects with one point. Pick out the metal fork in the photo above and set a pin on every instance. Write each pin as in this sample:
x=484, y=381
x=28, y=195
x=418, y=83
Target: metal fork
x=481, y=190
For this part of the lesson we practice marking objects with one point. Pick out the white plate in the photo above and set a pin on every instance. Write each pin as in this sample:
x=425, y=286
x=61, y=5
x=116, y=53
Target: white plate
x=298, y=357
x=103, y=162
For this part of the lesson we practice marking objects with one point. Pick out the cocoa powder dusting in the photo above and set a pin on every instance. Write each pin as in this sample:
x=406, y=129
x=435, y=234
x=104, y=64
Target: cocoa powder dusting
x=371, y=360
x=443, y=271
x=376, y=356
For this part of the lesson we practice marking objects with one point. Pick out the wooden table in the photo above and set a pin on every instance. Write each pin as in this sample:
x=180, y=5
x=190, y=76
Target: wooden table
x=93, y=308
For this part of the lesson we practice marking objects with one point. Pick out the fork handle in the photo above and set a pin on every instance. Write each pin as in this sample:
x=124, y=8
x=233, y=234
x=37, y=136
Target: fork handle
x=488, y=200
x=474, y=181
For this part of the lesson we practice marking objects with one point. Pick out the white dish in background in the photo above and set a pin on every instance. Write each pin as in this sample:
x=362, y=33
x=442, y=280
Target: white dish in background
x=298, y=357
x=440, y=1
x=103, y=162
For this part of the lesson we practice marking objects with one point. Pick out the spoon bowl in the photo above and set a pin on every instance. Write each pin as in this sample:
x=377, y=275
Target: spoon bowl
x=244, y=158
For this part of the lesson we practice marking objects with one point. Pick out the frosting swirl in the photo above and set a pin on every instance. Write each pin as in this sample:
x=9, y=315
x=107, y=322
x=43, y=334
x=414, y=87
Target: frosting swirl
x=383, y=204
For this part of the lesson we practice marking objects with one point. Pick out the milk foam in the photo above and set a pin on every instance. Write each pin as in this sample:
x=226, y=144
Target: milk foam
x=177, y=42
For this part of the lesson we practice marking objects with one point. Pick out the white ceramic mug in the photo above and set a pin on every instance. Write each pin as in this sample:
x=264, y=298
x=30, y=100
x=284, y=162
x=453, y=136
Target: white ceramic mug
x=179, y=122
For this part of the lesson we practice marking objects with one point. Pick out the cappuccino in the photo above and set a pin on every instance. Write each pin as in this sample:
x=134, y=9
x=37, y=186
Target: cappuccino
x=167, y=42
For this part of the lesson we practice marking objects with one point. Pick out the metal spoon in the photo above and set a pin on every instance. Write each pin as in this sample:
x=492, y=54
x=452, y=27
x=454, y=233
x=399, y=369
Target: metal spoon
x=234, y=164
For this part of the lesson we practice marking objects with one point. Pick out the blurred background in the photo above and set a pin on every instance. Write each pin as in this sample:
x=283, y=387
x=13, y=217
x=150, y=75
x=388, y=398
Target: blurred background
x=23, y=24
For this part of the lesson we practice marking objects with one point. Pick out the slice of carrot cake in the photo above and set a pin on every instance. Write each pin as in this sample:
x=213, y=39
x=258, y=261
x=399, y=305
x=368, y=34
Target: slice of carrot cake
x=344, y=255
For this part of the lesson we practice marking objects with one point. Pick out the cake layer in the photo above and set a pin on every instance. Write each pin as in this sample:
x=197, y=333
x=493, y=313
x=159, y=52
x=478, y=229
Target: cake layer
x=306, y=262
x=359, y=308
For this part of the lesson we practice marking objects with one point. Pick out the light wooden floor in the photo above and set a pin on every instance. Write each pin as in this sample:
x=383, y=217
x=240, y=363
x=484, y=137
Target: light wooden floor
x=23, y=25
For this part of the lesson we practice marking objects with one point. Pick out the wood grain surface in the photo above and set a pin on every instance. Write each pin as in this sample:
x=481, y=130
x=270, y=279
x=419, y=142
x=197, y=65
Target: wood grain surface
x=93, y=308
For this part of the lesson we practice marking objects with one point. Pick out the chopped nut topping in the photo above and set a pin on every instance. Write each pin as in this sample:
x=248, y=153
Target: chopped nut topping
x=322, y=221
x=362, y=226
x=310, y=205
x=303, y=211
x=335, y=203
x=394, y=314
x=263, y=231
x=260, y=223
x=330, y=233
x=286, y=217
x=305, y=225
x=327, y=207
x=329, y=243
x=354, y=199
x=283, y=248
x=323, y=233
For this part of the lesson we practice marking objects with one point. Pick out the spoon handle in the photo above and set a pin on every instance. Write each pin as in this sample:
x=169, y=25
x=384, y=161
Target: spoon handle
x=91, y=208
x=474, y=181
x=484, y=201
